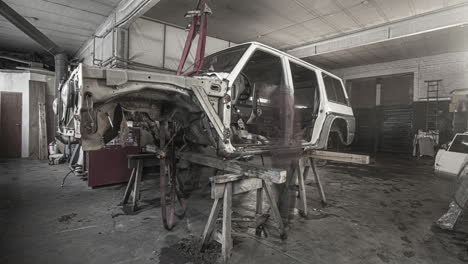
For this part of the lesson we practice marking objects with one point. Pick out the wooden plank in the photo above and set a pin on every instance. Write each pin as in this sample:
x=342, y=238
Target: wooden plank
x=318, y=182
x=259, y=205
x=34, y=99
x=274, y=209
x=37, y=127
x=227, y=210
x=210, y=224
x=302, y=191
x=237, y=167
x=226, y=178
x=242, y=186
x=133, y=163
x=338, y=156
x=42, y=148
x=129, y=188
x=136, y=185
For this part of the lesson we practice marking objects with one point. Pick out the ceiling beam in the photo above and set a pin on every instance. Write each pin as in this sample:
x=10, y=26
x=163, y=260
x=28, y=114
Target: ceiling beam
x=126, y=12
x=423, y=23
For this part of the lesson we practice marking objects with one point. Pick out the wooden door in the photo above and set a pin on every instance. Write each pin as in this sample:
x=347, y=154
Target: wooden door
x=10, y=124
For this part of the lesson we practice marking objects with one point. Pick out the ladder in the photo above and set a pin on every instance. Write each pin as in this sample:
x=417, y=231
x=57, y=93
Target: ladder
x=432, y=104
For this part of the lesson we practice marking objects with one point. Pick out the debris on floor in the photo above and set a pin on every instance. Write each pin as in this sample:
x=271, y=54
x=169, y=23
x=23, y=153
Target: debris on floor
x=187, y=250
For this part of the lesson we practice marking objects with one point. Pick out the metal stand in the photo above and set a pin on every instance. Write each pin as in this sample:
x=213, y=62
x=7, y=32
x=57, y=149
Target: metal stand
x=137, y=162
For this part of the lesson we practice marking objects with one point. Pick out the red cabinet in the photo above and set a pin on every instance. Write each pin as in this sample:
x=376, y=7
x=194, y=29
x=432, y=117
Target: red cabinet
x=109, y=165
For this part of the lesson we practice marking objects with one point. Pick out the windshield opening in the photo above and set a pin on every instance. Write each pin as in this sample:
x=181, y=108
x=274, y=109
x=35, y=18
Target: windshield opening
x=223, y=61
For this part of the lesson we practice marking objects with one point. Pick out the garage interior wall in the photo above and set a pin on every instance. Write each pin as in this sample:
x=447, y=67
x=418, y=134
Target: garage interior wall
x=19, y=82
x=451, y=68
x=384, y=114
x=374, y=123
x=151, y=46
x=22, y=82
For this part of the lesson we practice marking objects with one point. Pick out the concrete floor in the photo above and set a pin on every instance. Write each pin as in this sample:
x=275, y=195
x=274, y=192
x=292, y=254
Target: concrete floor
x=382, y=213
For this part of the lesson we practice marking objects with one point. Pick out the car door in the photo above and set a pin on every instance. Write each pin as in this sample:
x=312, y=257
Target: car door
x=261, y=107
x=306, y=99
x=449, y=162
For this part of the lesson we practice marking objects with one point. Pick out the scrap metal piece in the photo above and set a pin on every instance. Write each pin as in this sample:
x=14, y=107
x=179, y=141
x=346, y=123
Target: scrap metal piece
x=233, y=166
x=449, y=219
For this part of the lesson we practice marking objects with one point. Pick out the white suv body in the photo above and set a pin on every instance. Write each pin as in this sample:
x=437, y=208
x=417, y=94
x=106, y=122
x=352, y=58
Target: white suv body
x=243, y=100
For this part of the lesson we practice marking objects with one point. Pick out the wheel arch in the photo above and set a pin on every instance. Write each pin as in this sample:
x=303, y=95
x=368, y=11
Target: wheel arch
x=343, y=125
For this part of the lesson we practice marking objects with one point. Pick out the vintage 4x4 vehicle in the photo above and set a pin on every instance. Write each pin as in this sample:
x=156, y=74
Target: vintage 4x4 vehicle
x=246, y=100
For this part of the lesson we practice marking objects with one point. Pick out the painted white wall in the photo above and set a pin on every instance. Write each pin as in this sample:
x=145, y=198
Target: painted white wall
x=146, y=42
x=451, y=68
x=19, y=82
x=153, y=44
x=161, y=45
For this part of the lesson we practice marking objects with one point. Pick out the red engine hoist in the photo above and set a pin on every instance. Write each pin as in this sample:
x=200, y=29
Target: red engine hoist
x=167, y=157
x=197, y=26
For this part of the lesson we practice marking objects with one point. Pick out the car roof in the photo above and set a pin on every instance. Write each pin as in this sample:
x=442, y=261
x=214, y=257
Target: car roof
x=284, y=54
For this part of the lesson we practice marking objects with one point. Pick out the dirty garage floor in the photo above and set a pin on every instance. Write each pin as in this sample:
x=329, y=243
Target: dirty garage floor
x=382, y=213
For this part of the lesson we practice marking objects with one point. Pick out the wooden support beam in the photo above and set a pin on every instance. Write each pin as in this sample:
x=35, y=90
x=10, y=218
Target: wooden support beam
x=210, y=225
x=302, y=190
x=226, y=246
x=128, y=189
x=43, y=151
x=226, y=178
x=338, y=156
x=318, y=182
x=149, y=160
x=274, y=210
x=136, y=185
x=245, y=185
x=236, y=167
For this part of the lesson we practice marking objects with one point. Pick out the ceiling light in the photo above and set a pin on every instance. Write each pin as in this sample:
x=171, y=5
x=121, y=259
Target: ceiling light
x=364, y=2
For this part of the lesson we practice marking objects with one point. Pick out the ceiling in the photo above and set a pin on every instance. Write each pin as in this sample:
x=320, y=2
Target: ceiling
x=279, y=23
x=453, y=39
x=288, y=23
x=68, y=23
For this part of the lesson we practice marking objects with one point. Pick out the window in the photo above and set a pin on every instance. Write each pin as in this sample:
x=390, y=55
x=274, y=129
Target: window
x=306, y=99
x=224, y=61
x=334, y=89
x=305, y=87
x=459, y=144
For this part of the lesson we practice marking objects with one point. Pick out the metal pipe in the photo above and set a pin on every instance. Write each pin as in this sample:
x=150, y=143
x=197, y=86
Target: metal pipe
x=15, y=59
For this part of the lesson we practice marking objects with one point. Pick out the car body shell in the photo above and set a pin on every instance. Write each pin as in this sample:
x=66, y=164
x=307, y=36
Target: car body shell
x=91, y=94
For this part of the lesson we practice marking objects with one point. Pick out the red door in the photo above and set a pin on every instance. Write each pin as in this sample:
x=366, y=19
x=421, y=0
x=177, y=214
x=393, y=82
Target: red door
x=10, y=125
